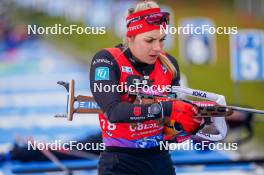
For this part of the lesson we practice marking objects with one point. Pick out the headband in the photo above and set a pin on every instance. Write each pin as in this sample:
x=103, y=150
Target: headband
x=136, y=23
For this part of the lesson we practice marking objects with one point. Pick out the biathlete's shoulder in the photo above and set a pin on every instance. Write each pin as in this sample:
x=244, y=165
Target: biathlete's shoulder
x=172, y=59
x=104, y=56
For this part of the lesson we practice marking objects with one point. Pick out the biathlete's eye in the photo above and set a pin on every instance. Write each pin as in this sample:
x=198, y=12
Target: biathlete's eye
x=149, y=41
x=162, y=39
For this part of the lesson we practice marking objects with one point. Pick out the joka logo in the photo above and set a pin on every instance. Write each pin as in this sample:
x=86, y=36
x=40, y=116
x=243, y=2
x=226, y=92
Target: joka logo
x=137, y=111
x=102, y=73
x=199, y=94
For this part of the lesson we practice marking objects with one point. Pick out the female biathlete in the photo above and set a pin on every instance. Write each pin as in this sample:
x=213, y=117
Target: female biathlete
x=132, y=132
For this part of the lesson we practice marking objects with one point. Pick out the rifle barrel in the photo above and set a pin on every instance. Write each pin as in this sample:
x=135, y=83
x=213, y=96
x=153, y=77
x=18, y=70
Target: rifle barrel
x=257, y=111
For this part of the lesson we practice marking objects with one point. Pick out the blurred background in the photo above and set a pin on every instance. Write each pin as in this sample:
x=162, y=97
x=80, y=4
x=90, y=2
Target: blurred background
x=31, y=65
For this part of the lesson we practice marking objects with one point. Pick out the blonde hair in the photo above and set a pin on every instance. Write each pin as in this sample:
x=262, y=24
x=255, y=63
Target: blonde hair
x=163, y=58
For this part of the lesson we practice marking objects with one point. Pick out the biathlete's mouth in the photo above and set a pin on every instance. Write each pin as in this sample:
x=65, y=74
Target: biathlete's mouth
x=153, y=56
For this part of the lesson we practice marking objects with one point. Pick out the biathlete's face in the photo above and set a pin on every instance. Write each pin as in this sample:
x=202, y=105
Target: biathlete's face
x=147, y=46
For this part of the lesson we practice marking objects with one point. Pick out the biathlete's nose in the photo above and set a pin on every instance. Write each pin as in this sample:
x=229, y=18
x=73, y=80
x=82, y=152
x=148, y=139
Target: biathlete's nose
x=157, y=46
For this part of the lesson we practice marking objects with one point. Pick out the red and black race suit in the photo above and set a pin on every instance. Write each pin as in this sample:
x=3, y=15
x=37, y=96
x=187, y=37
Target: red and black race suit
x=125, y=124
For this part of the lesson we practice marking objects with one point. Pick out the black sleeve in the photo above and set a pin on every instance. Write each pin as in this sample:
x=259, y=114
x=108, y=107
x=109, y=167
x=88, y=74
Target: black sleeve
x=176, y=80
x=104, y=72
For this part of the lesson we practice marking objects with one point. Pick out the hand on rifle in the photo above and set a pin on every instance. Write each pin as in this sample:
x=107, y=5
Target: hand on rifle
x=183, y=113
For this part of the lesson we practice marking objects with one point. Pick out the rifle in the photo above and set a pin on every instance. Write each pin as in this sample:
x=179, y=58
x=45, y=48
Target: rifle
x=87, y=104
x=217, y=110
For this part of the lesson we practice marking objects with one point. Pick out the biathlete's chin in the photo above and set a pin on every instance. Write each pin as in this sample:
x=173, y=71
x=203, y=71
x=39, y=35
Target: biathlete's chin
x=151, y=60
